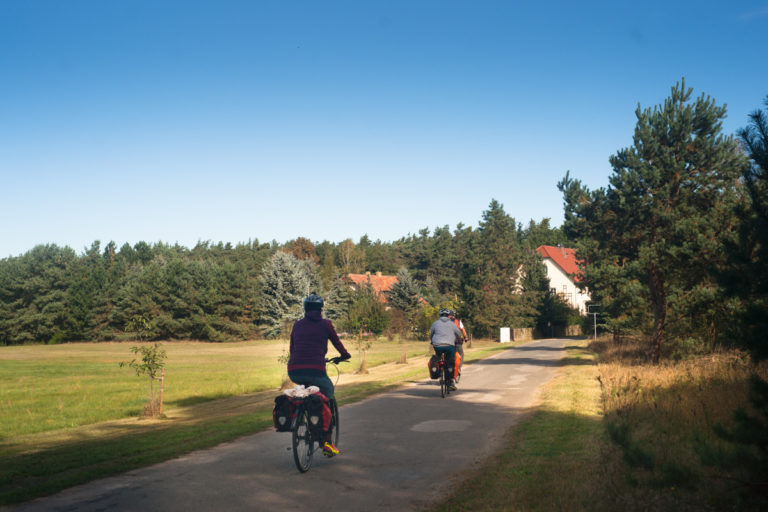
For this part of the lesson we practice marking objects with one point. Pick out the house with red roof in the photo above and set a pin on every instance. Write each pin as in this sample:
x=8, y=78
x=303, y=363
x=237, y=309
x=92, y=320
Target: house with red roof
x=563, y=272
x=380, y=283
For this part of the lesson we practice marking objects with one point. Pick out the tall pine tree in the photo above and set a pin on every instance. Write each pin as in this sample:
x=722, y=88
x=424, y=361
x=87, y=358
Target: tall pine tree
x=662, y=221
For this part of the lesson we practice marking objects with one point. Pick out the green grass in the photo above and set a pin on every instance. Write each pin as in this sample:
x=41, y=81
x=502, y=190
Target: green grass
x=214, y=393
x=45, y=388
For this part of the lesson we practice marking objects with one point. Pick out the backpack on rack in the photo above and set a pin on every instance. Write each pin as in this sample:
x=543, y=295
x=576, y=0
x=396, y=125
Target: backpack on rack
x=282, y=413
x=457, y=365
x=319, y=412
x=434, y=371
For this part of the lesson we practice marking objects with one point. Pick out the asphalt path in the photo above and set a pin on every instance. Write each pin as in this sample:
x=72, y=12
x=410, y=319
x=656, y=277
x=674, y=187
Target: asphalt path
x=400, y=450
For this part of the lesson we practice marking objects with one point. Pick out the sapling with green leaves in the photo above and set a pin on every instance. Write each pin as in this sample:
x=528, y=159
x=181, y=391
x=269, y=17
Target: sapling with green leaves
x=149, y=360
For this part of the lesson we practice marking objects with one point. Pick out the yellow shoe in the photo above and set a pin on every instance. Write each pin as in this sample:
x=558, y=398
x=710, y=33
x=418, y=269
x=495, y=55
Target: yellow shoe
x=329, y=450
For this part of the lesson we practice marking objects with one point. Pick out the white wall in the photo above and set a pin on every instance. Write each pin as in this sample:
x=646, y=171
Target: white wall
x=563, y=286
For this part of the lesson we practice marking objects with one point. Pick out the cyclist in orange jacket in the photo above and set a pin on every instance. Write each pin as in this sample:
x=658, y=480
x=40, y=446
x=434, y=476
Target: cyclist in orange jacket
x=459, y=343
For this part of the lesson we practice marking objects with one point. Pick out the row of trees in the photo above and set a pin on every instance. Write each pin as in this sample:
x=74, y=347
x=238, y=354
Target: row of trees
x=223, y=292
x=675, y=245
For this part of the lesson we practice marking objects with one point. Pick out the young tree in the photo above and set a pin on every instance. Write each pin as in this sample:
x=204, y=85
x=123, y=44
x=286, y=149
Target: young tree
x=663, y=219
x=151, y=365
x=367, y=312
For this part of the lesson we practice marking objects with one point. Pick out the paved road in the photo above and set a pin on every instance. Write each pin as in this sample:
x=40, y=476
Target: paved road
x=400, y=450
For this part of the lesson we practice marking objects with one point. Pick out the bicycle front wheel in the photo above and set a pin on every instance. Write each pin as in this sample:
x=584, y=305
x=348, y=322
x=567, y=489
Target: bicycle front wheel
x=302, y=441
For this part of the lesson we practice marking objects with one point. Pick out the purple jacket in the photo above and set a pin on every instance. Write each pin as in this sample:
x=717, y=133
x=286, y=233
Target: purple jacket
x=309, y=342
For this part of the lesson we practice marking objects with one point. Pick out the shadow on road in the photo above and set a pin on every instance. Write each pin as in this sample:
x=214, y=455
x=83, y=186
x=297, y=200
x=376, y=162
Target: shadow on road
x=566, y=361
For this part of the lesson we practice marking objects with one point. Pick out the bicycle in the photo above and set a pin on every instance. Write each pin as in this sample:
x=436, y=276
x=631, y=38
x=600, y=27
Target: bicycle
x=305, y=432
x=442, y=368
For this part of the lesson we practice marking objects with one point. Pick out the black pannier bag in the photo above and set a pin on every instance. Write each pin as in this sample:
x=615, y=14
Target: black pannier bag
x=282, y=414
x=319, y=412
x=434, y=372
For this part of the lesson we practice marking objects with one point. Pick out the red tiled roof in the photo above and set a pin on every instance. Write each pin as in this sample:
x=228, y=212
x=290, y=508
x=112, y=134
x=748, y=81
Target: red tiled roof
x=380, y=283
x=564, y=257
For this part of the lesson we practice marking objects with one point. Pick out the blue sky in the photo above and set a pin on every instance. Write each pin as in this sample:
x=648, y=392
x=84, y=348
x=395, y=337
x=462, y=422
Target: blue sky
x=229, y=121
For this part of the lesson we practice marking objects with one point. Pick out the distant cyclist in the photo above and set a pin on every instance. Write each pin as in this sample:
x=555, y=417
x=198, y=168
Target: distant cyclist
x=309, y=345
x=460, y=343
x=445, y=335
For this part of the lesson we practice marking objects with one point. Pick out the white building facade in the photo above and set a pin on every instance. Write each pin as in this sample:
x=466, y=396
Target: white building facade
x=562, y=271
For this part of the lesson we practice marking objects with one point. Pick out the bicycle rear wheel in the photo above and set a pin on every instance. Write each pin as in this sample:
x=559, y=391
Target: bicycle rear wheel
x=301, y=437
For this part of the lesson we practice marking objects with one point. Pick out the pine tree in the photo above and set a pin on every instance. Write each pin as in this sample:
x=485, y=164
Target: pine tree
x=662, y=221
x=284, y=283
x=491, y=290
x=338, y=300
x=405, y=293
x=747, y=276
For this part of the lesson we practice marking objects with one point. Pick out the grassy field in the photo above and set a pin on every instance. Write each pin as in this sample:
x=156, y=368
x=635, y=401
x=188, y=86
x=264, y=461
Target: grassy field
x=69, y=412
x=626, y=435
x=46, y=388
x=618, y=434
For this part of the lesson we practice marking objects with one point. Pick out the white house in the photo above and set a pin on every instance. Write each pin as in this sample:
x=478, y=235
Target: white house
x=563, y=273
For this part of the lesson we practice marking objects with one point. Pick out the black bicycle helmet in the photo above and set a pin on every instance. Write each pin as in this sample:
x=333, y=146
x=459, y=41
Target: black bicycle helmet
x=313, y=302
x=445, y=312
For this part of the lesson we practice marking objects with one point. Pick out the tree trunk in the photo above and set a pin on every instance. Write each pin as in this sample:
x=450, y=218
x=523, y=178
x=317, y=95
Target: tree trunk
x=659, y=304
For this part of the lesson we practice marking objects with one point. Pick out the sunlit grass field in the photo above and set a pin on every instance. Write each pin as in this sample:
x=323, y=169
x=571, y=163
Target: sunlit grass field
x=46, y=388
x=57, y=403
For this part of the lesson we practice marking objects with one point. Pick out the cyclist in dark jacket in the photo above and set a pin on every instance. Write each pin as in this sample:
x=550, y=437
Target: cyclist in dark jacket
x=308, y=347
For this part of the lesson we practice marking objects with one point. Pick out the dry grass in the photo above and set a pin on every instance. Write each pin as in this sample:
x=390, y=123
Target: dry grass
x=661, y=419
x=625, y=435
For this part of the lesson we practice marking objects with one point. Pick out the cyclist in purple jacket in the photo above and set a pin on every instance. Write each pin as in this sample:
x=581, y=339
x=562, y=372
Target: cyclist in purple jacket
x=308, y=347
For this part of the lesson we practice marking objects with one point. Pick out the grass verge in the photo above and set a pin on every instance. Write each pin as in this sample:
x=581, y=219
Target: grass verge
x=550, y=460
x=623, y=434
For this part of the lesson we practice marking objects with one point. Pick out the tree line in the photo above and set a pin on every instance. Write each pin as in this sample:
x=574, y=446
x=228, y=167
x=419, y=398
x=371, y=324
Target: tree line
x=674, y=248
x=223, y=292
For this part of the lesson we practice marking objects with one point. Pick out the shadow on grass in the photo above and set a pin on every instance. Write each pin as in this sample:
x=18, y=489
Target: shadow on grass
x=82, y=458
